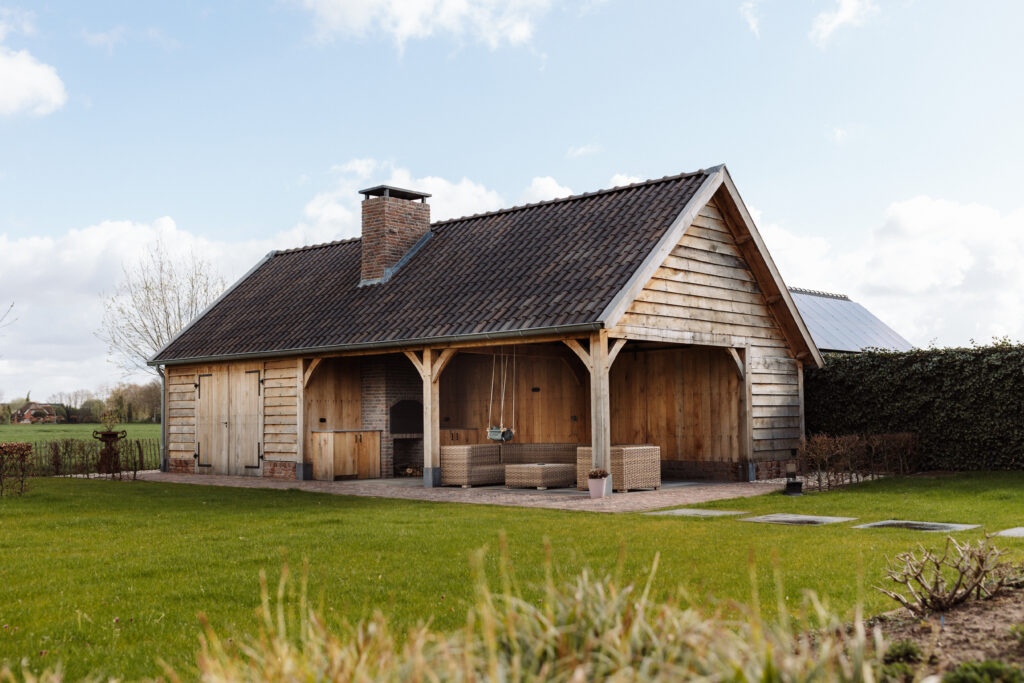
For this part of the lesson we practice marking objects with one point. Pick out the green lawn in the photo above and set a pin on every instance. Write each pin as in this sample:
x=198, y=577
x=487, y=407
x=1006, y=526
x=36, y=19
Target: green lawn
x=51, y=432
x=109, y=577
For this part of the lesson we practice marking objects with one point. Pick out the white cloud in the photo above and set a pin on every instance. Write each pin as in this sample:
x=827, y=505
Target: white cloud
x=58, y=285
x=582, y=151
x=838, y=135
x=120, y=35
x=620, y=179
x=748, y=10
x=28, y=86
x=848, y=12
x=336, y=214
x=15, y=21
x=491, y=22
x=106, y=40
x=933, y=269
x=542, y=189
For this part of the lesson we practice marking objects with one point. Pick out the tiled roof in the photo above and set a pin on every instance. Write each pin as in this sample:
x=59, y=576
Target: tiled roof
x=521, y=270
x=838, y=324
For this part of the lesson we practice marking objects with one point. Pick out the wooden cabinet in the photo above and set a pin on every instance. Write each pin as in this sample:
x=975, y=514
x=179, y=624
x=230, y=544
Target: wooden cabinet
x=346, y=455
x=461, y=437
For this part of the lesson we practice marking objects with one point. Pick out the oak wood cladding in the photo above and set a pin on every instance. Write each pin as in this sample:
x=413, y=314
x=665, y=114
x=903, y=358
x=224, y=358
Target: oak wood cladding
x=705, y=293
x=551, y=405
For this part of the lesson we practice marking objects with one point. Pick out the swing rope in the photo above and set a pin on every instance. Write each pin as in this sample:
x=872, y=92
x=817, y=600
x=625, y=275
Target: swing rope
x=499, y=432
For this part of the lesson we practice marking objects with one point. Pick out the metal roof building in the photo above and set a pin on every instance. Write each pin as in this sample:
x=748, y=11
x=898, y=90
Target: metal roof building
x=838, y=324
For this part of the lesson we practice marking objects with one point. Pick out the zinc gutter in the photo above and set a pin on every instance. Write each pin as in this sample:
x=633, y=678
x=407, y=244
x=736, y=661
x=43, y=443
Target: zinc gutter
x=397, y=346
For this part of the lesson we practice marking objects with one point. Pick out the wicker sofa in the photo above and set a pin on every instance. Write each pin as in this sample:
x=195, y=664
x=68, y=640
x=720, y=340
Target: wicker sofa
x=633, y=467
x=483, y=464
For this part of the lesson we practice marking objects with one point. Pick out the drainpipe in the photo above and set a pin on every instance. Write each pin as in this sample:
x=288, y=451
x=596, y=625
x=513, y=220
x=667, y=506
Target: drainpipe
x=163, y=419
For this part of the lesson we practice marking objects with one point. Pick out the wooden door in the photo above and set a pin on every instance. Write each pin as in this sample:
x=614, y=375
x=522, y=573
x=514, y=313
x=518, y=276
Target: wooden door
x=244, y=421
x=346, y=454
x=211, y=423
x=367, y=454
x=323, y=456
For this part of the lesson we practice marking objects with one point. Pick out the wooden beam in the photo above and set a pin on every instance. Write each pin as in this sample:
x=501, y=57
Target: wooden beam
x=308, y=374
x=614, y=351
x=417, y=363
x=431, y=412
x=747, y=414
x=739, y=361
x=301, y=455
x=441, y=363
x=578, y=349
x=600, y=412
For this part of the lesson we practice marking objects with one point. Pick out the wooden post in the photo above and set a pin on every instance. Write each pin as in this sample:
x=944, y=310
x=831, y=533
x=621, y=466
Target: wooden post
x=430, y=366
x=431, y=433
x=600, y=412
x=747, y=421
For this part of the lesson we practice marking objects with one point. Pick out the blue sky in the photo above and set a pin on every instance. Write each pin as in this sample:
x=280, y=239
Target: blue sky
x=878, y=143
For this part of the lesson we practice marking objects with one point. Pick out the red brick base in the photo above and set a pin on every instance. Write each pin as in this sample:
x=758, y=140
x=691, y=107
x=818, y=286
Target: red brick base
x=277, y=469
x=702, y=470
x=181, y=465
x=722, y=471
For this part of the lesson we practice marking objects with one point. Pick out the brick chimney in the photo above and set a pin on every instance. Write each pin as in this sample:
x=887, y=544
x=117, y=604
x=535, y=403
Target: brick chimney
x=395, y=226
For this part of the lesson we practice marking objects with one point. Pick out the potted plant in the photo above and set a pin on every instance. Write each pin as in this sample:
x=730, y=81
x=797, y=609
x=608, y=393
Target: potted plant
x=600, y=483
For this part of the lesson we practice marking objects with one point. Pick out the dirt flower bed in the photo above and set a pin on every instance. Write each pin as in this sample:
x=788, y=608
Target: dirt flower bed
x=976, y=630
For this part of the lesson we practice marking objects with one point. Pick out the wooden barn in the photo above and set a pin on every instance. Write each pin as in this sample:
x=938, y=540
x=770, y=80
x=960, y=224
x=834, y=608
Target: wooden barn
x=645, y=314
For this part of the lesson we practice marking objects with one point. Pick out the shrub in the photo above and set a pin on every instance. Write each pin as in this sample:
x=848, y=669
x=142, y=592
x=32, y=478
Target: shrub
x=836, y=460
x=1017, y=632
x=936, y=583
x=987, y=671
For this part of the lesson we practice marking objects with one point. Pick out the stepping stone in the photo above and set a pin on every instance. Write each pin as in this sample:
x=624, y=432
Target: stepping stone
x=917, y=526
x=694, y=512
x=1015, y=532
x=797, y=520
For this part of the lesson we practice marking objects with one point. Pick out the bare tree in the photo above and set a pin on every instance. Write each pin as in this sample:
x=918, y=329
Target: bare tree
x=3, y=317
x=156, y=299
x=69, y=402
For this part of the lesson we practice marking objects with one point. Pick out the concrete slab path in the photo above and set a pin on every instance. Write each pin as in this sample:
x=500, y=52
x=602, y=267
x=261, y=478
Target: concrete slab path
x=671, y=494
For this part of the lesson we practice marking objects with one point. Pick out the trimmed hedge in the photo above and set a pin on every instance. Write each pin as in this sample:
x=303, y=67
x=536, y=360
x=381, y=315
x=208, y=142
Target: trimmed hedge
x=833, y=461
x=965, y=404
x=76, y=458
x=14, y=467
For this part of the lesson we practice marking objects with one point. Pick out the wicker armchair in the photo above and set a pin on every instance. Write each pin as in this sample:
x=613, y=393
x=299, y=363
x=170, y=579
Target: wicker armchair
x=633, y=467
x=473, y=465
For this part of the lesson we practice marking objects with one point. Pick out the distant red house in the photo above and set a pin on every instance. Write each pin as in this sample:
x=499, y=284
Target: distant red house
x=35, y=413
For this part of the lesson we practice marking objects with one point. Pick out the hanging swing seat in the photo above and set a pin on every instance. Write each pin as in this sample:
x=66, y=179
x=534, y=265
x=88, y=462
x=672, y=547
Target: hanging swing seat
x=501, y=434
x=498, y=431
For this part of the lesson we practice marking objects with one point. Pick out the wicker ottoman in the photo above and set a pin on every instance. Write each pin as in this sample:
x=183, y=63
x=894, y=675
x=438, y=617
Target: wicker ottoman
x=540, y=475
x=633, y=467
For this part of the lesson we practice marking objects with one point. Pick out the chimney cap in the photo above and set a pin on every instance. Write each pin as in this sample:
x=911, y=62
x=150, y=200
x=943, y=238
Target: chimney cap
x=397, y=192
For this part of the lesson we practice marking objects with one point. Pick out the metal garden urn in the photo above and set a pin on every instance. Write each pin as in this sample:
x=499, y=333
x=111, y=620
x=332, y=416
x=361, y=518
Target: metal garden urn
x=110, y=451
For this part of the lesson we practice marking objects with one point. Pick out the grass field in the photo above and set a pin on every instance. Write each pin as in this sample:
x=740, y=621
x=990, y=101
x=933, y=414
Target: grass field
x=110, y=577
x=51, y=432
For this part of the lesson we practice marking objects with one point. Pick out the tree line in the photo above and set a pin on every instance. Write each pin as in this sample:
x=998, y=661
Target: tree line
x=126, y=402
